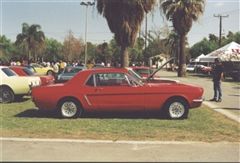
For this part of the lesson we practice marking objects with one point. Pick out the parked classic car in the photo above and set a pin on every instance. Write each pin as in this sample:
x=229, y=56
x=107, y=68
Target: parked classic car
x=41, y=70
x=191, y=68
x=68, y=73
x=25, y=71
x=117, y=89
x=13, y=86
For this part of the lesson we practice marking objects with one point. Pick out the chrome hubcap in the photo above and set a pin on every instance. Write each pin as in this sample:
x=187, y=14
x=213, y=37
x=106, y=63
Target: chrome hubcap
x=5, y=96
x=176, y=110
x=69, y=109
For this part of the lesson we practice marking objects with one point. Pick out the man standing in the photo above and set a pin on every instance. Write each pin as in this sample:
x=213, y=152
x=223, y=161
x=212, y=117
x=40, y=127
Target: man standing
x=217, y=73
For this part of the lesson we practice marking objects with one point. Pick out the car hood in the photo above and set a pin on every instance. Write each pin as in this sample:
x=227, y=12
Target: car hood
x=152, y=75
x=161, y=80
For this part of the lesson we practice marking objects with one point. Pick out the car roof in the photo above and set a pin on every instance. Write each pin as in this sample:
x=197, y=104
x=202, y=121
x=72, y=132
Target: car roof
x=75, y=67
x=3, y=66
x=140, y=67
x=104, y=70
x=21, y=67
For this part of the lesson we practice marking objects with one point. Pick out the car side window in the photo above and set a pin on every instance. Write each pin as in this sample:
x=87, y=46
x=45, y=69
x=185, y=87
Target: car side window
x=111, y=79
x=90, y=81
x=9, y=72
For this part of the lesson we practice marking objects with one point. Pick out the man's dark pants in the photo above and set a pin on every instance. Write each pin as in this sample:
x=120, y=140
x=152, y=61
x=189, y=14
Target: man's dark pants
x=217, y=90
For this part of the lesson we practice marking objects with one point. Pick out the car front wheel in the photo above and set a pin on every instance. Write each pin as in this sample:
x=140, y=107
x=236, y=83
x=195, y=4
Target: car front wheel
x=70, y=108
x=6, y=95
x=176, y=109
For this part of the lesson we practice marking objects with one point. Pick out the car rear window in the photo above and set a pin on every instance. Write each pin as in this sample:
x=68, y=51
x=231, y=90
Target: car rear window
x=9, y=72
x=28, y=72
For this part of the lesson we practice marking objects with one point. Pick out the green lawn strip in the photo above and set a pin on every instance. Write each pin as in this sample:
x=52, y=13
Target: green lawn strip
x=204, y=124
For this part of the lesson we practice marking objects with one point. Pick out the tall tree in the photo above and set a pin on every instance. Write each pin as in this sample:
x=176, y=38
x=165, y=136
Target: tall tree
x=172, y=44
x=182, y=13
x=7, y=49
x=72, y=47
x=32, y=39
x=53, y=50
x=124, y=20
x=103, y=53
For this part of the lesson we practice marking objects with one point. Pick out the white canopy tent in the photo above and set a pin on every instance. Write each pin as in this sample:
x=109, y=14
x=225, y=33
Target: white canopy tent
x=229, y=52
x=199, y=57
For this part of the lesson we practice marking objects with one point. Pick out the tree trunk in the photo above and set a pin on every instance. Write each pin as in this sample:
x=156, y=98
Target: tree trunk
x=29, y=54
x=124, y=57
x=182, y=57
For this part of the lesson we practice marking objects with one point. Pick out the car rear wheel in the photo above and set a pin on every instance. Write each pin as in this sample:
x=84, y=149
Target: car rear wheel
x=70, y=108
x=6, y=95
x=176, y=109
x=50, y=72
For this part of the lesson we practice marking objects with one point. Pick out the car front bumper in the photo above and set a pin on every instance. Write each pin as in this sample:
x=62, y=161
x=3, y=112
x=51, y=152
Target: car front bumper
x=197, y=102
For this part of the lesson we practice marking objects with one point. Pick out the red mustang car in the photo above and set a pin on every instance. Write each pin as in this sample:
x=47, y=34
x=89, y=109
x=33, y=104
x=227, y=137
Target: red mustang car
x=25, y=71
x=117, y=89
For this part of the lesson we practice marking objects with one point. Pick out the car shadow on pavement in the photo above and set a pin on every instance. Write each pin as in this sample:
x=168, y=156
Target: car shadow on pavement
x=236, y=87
x=19, y=99
x=124, y=115
x=35, y=113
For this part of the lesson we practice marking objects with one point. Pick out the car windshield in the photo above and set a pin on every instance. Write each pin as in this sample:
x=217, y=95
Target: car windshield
x=72, y=69
x=190, y=65
x=136, y=76
x=9, y=72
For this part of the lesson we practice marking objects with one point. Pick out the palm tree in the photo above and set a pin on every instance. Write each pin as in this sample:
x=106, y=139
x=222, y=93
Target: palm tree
x=182, y=13
x=124, y=19
x=32, y=39
x=172, y=44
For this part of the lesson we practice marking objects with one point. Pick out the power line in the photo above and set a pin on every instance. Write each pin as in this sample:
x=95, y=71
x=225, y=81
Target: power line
x=220, y=26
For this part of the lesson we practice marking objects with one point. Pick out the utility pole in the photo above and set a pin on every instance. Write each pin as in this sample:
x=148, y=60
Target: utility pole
x=146, y=32
x=86, y=4
x=220, y=27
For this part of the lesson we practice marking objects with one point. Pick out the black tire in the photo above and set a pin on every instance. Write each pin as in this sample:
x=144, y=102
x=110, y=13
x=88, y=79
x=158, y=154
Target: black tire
x=70, y=108
x=50, y=72
x=19, y=97
x=6, y=95
x=176, y=109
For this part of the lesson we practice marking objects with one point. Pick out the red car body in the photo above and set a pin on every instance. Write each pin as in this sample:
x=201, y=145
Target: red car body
x=24, y=71
x=89, y=93
x=206, y=69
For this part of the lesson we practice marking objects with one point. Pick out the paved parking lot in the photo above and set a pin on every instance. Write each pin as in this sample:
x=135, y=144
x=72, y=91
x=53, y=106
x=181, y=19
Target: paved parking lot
x=90, y=150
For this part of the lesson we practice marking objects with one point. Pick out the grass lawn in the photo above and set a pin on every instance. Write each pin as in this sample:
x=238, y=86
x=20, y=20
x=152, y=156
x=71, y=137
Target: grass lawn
x=24, y=120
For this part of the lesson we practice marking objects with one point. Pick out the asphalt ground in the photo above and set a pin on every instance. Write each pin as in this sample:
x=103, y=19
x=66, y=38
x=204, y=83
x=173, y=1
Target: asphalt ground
x=19, y=149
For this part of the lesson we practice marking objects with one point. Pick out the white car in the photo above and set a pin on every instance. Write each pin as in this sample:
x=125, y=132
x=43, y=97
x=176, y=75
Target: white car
x=190, y=68
x=13, y=86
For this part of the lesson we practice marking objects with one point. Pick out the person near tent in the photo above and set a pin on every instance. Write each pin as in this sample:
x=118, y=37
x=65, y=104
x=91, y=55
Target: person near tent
x=217, y=75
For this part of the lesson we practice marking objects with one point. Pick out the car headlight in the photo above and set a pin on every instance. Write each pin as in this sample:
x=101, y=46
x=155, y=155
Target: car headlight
x=34, y=83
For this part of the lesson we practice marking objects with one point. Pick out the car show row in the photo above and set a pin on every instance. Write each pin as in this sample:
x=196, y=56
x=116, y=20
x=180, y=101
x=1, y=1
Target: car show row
x=78, y=90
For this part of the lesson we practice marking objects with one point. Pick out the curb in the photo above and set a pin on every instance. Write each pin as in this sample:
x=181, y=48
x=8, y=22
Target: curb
x=110, y=141
x=222, y=111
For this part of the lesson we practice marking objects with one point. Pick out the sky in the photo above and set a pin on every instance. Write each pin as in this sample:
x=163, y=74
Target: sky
x=58, y=17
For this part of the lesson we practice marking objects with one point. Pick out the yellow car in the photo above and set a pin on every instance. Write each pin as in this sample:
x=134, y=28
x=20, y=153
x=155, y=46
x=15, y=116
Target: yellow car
x=41, y=70
x=13, y=86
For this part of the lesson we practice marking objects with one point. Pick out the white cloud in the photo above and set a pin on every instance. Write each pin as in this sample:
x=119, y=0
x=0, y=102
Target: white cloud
x=219, y=4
